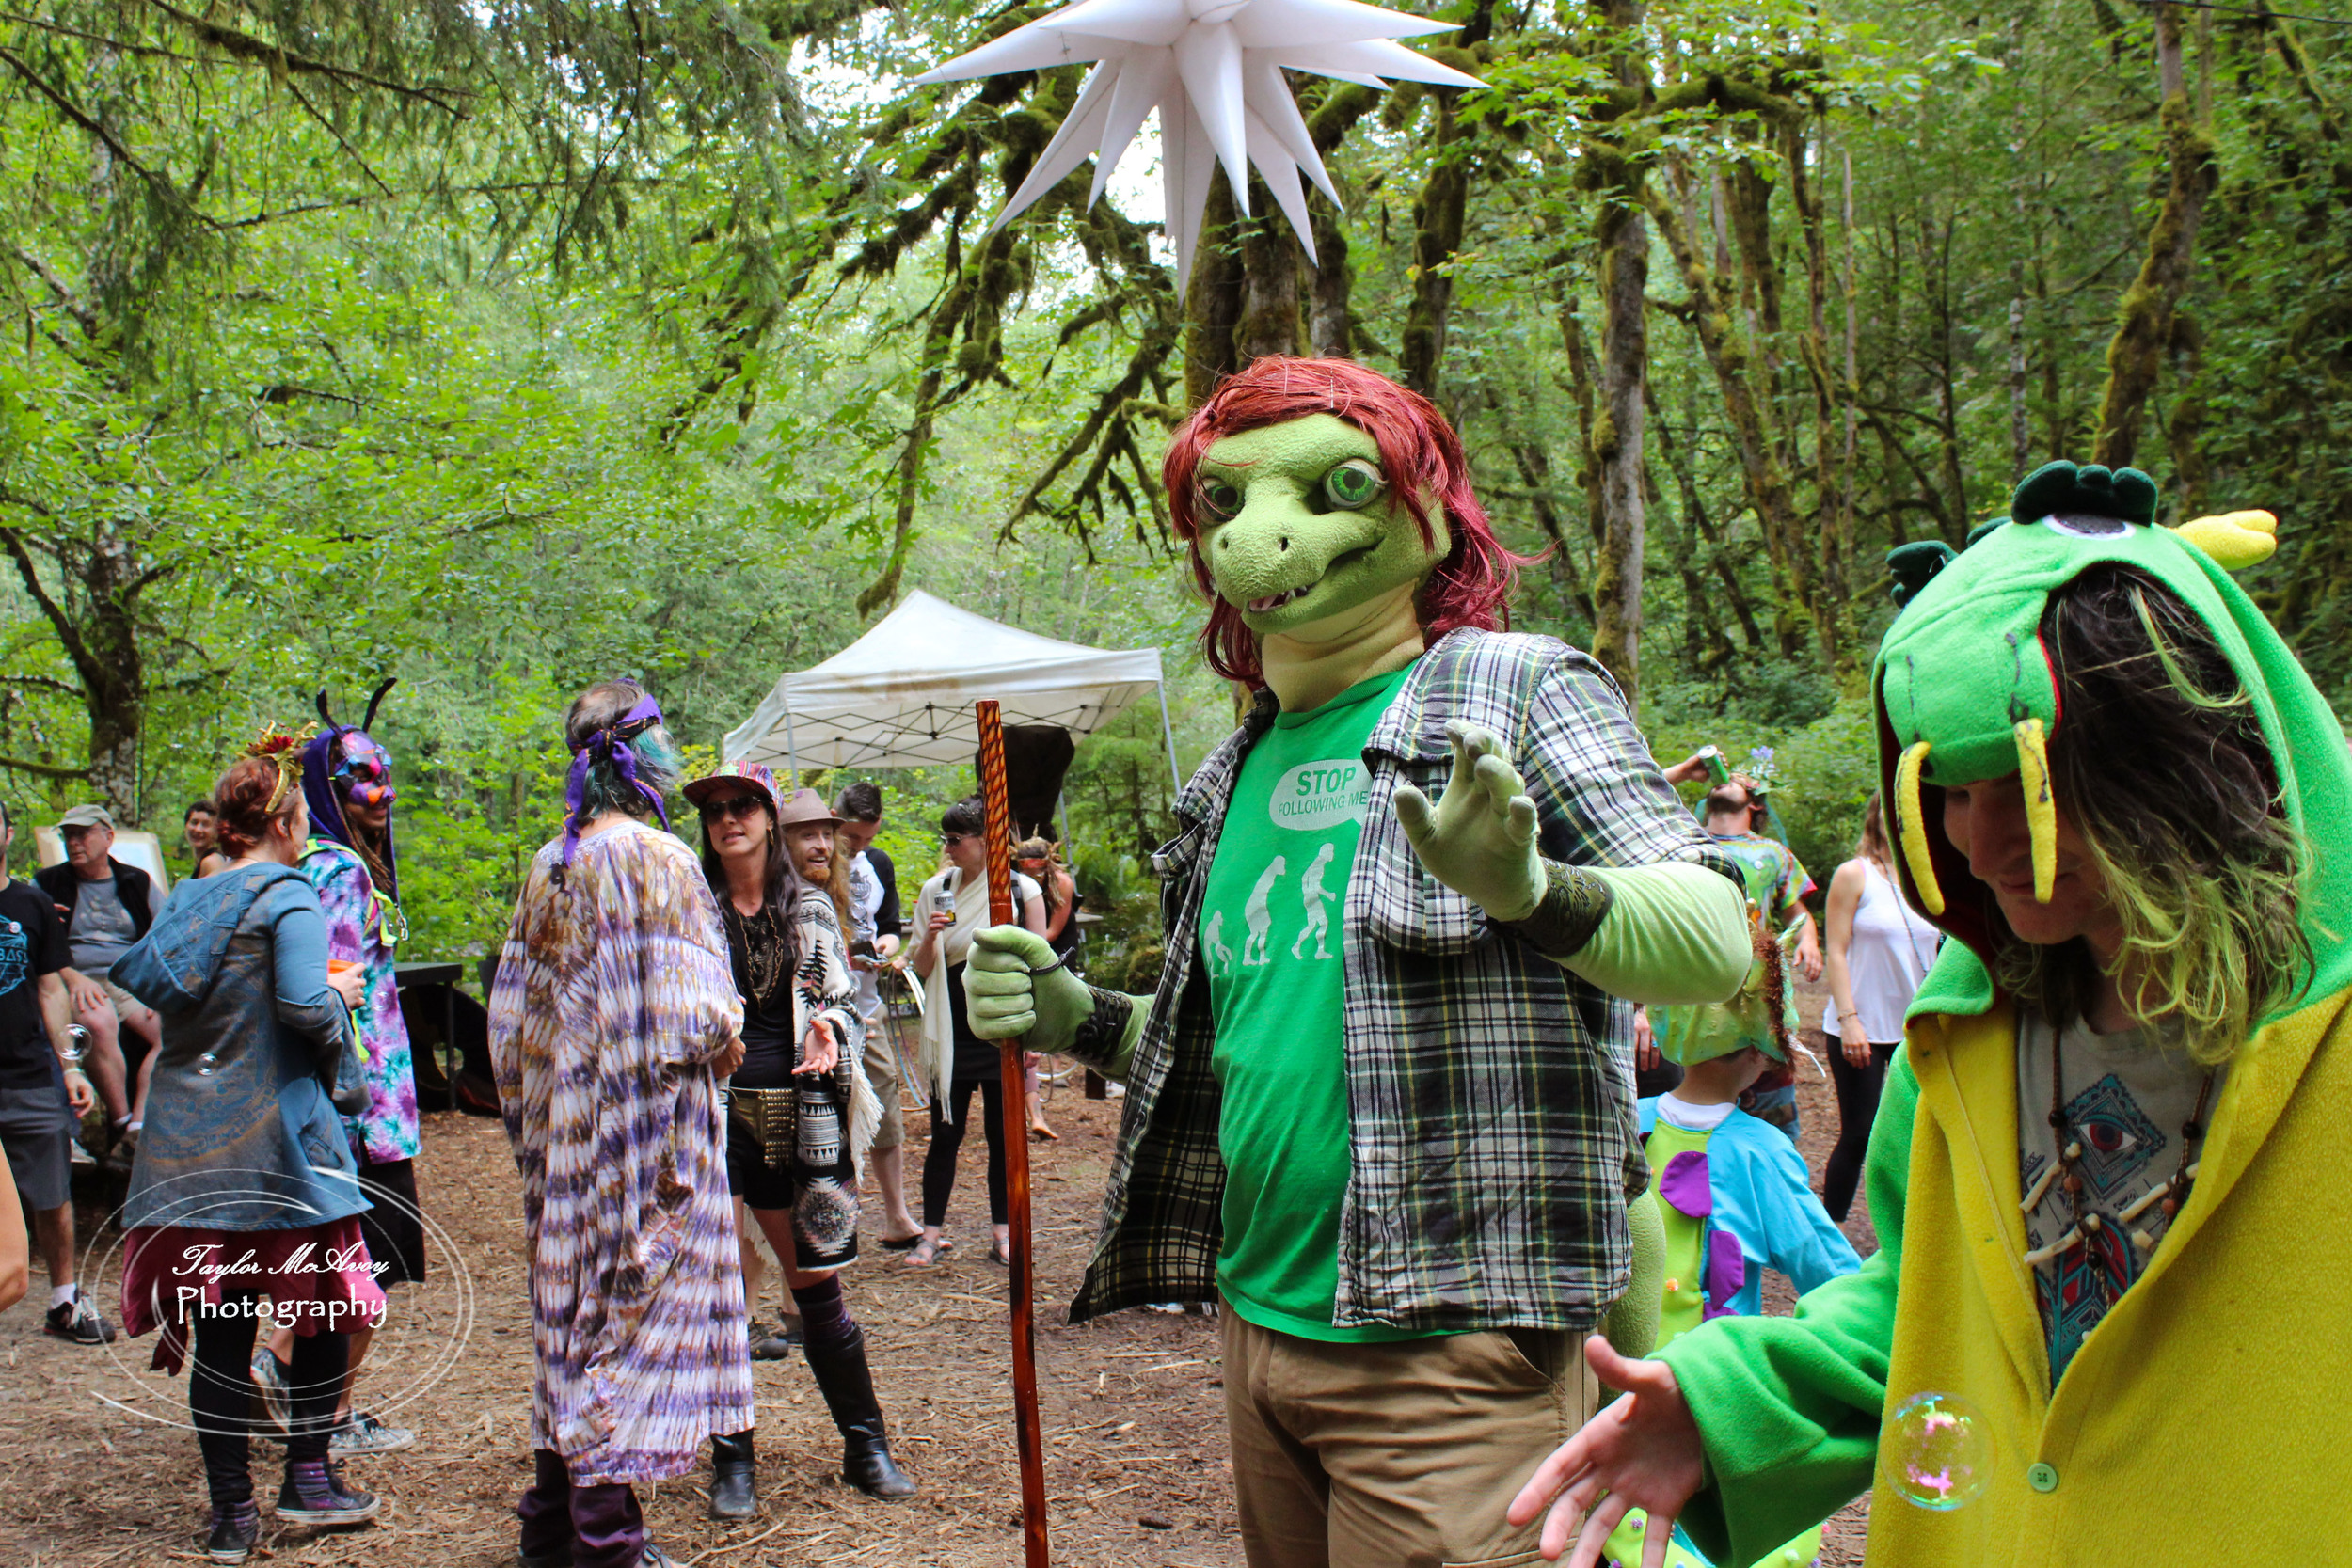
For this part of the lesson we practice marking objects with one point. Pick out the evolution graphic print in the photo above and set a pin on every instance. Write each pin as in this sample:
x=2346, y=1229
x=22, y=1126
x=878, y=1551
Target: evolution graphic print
x=1316, y=808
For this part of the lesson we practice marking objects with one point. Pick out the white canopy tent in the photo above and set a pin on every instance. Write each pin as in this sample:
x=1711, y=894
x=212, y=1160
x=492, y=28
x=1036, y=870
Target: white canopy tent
x=902, y=695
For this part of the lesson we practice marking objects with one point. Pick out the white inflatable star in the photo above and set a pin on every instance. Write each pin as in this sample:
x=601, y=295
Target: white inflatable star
x=1213, y=70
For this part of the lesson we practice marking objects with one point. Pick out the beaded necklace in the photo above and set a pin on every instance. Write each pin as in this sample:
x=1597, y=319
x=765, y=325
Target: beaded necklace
x=761, y=942
x=2088, y=1223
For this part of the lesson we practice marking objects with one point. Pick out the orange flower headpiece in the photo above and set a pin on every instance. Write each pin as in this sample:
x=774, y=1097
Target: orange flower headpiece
x=286, y=752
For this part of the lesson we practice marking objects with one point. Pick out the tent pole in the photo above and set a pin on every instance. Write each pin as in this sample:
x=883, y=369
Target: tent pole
x=791, y=750
x=1167, y=737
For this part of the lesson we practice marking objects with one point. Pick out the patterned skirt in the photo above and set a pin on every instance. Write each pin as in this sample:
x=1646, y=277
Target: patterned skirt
x=318, y=1277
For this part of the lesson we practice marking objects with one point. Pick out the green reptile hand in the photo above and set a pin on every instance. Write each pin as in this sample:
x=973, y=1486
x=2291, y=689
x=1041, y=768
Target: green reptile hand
x=1480, y=841
x=1002, y=998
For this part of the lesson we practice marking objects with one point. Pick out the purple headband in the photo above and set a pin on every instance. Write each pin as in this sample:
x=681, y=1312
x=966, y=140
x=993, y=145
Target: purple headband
x=610, y=745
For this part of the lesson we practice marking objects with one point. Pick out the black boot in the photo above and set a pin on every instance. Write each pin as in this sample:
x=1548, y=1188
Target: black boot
x=843, y=1378
x=733, y=1474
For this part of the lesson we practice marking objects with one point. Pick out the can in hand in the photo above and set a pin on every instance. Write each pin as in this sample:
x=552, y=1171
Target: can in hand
x=1717, y=769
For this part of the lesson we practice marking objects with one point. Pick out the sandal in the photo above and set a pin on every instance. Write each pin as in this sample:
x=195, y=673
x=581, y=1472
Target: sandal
x=902, y=1243
x=925, y=1254
x=1000, y=1255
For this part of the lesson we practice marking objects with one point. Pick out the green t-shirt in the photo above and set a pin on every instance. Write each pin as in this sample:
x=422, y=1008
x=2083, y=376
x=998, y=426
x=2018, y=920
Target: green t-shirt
x=1684, y=1305
x=1271, y=935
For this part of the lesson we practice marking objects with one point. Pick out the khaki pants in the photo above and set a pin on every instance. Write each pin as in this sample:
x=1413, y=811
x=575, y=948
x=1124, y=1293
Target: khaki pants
x=1400, y=1455
x=881, y=1075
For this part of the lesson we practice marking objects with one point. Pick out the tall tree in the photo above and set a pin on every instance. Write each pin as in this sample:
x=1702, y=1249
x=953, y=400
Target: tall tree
x=1621, y=239
x=2145, y=328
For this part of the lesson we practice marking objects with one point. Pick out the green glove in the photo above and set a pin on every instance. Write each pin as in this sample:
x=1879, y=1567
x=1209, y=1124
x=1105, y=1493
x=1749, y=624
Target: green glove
x=1003, y=998
x=1480, y=841
x=1013, y=985
x=1631, y=1325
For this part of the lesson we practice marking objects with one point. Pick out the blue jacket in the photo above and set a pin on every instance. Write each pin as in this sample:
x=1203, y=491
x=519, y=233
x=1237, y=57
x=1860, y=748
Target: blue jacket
x=1763, y=1201
x=240, y=1133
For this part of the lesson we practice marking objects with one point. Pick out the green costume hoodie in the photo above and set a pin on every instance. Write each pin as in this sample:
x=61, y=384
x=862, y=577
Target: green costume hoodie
x=2204, y=1421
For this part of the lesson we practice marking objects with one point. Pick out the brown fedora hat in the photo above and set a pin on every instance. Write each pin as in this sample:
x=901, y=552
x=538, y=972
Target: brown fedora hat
x=805, y=806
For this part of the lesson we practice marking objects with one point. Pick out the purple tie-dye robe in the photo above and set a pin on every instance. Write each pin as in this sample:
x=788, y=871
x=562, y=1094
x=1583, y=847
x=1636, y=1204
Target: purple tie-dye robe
x=387, y=1130
x=613, y=990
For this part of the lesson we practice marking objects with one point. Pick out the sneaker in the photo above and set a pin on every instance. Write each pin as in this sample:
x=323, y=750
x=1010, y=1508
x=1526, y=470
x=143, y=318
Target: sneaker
x=76, y=1154
x=269, y=1377
x=315, y=1495
x=79, y=1321
x=233, y=1532
x=363, y=1435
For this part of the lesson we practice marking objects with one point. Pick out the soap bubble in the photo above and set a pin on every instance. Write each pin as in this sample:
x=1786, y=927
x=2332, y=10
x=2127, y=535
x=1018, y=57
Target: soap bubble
x=1936, y=1451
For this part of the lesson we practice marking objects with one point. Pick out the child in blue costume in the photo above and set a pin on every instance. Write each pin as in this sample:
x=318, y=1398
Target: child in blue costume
x=1735, y=1196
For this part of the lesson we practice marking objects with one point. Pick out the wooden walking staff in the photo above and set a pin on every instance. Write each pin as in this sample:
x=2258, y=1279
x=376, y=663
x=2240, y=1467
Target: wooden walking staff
x=998, y=811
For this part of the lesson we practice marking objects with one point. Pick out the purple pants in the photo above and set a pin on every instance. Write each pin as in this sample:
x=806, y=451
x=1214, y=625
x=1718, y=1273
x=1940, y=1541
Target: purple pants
x=600, y=1524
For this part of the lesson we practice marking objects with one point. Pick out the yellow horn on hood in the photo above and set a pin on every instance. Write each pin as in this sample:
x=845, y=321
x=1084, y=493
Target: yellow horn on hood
x=2235, y=540
x=2033, y=777
x=1911, y=827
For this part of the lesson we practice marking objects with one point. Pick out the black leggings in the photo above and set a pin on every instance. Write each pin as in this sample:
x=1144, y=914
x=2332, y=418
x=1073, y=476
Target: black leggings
x=220, y=1394
x=1858, y=1091
x=939, y=1163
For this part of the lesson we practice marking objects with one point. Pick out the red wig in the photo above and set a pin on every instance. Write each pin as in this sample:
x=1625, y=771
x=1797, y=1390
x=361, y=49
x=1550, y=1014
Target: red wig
x=1420, y=456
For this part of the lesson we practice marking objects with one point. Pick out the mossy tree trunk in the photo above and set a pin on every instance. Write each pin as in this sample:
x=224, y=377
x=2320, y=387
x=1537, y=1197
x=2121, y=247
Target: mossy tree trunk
x=1271, y=264
x=1213, y=305
x=2143, y=330
x=1715, y=312
x=1437, y=219
x=1618, y=394
x=1623, y=241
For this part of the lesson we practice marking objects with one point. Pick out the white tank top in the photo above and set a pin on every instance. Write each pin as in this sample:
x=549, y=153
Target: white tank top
x=1885, y=960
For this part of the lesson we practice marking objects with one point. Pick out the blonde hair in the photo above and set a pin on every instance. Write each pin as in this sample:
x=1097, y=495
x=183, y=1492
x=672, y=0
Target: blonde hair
x=1871, y=845
x=1041, y=849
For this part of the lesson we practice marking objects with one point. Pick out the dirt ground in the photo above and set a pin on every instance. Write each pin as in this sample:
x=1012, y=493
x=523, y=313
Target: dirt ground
x=94, y=1472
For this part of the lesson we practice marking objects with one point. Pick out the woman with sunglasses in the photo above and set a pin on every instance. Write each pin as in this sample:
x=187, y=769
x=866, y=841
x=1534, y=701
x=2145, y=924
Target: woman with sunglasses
x=800, y=1113
x=955, y=906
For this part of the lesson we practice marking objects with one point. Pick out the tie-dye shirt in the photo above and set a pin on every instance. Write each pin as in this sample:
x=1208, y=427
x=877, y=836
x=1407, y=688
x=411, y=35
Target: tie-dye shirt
x=387, y=1130
x=613, y=991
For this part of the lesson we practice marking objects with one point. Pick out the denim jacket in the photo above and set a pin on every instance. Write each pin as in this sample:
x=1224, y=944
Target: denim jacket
x=240, y=1133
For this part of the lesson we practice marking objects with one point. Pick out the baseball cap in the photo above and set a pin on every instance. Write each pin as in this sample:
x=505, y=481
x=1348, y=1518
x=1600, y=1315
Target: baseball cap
x=86, y=816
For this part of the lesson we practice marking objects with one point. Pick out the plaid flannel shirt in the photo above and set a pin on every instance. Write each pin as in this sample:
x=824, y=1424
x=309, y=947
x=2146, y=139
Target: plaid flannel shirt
x=1490, y=1099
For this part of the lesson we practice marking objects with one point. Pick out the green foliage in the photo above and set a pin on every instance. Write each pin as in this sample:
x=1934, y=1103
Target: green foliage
x=1827, y=767
x=503, y=348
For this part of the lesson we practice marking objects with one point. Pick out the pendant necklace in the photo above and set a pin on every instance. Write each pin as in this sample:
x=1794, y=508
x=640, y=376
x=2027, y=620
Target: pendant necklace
x=2090, y=1223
